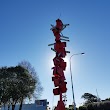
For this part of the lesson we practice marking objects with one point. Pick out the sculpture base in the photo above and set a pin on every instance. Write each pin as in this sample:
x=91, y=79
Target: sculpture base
x=60, y=106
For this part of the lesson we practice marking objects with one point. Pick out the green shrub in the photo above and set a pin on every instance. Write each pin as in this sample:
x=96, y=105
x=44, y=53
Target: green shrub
x=82, y=108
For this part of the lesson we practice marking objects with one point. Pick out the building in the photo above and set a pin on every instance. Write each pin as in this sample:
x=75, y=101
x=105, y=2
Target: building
x=38, y=105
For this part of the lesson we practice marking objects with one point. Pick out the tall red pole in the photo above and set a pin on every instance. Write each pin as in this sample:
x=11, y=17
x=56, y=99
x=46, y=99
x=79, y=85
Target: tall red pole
x=59, y=64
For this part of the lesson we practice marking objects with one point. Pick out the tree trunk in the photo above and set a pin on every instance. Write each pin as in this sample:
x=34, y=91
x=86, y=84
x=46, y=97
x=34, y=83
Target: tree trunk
x=20, y=107
x=14, y=104
x=4, y=106
x=8, y=106
x=13, y=107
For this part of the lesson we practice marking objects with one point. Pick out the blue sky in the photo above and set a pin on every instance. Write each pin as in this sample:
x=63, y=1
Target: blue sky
x=25, y=35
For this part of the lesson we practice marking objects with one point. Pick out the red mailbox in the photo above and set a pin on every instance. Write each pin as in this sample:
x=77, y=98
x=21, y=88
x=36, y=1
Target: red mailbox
x=56, y=81
x=63, y=88
x=58, y=71
x=56, y=34
x=56, y=91
x=60, y=49
x=55, y=72
x=59, y=24
x=59, y=62
x=59, y=45
x=61, y=53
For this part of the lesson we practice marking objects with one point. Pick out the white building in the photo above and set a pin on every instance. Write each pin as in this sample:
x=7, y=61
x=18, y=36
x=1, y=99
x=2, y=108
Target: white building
x=38, y=105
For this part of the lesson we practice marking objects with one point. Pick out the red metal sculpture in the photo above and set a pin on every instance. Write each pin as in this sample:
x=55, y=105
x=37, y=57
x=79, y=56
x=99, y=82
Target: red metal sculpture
x=59, y=64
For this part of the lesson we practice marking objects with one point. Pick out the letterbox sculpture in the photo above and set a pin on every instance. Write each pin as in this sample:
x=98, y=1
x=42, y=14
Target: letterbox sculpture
x=59, y=63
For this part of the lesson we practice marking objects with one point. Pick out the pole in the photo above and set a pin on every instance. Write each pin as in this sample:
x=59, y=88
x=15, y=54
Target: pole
x=72, y=79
